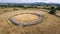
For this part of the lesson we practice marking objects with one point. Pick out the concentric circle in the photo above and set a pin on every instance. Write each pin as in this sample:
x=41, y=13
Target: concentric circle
x=26, y=19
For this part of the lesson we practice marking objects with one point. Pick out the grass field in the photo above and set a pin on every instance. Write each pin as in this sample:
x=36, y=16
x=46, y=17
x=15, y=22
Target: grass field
x=50, y=24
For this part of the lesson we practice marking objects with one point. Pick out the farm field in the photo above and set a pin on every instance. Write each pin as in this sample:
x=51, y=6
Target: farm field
x=49, y=25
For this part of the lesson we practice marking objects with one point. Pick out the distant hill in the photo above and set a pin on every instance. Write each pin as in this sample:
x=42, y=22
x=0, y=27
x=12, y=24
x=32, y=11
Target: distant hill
x=34, y=4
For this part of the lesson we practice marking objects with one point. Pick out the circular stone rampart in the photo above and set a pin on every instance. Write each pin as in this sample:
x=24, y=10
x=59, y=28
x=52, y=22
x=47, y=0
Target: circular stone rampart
x=39, y=20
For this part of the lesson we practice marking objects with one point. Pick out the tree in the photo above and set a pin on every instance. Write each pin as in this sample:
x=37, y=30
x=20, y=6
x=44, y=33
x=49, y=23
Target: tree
x=52, y=10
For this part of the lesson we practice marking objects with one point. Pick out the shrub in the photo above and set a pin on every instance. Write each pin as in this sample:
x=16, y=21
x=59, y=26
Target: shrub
x=52, y=10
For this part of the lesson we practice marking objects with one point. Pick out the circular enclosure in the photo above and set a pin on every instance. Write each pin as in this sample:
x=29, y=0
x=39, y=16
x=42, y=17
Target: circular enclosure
x=26, y=19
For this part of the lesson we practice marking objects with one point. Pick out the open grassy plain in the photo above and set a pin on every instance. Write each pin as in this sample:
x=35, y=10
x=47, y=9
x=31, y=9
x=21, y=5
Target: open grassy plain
x=50, y=24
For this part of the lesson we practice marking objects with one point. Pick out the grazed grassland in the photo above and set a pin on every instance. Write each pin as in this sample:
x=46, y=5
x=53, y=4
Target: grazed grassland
x=50, y=24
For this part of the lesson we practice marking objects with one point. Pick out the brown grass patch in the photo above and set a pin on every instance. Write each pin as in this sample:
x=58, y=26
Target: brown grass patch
x=26, y=18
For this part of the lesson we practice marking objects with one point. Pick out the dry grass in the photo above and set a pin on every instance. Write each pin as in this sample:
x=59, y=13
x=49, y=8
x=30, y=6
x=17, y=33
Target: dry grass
x=25, y=18
x=6, y=9
x=50, y=24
